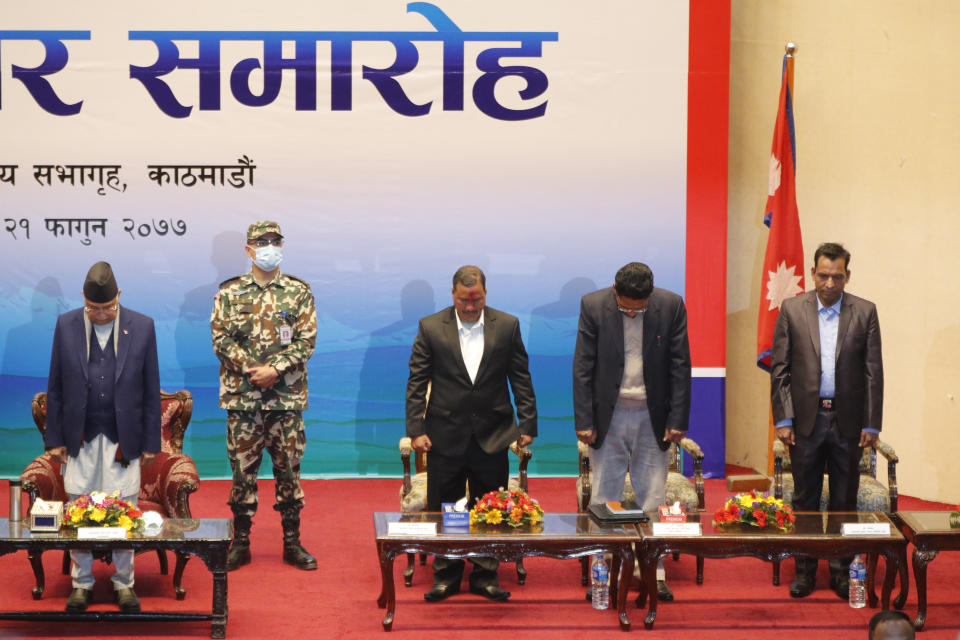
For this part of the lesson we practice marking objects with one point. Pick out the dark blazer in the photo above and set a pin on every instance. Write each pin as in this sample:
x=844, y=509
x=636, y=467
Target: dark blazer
x=599, y=359
x=137, y=391
x=459, y=408
x=795, y=377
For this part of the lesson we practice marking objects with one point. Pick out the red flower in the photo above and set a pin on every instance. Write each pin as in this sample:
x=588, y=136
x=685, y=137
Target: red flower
x=760, y=516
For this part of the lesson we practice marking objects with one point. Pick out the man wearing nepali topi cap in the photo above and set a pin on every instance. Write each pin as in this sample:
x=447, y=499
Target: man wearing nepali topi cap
x=103, y=413
x=264, y=327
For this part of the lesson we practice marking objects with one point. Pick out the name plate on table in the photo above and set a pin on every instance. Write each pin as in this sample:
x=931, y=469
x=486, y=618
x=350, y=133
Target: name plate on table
x=411, y=528
x=865, y=529
x=667, y=529
x=101, y=533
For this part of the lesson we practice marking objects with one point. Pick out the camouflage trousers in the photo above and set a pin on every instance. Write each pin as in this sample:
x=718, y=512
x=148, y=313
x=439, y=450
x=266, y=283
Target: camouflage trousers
x=282, y=433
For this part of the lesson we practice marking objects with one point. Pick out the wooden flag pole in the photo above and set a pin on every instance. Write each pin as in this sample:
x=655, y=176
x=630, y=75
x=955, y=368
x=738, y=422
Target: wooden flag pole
x=790, y=48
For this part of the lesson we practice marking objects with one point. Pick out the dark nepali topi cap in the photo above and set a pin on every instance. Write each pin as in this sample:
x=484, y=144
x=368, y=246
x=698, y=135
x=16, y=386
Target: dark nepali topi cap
x=262, y=227
x=100, y=285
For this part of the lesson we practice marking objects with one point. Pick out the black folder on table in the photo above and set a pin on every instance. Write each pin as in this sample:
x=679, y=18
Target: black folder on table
x=619, y=512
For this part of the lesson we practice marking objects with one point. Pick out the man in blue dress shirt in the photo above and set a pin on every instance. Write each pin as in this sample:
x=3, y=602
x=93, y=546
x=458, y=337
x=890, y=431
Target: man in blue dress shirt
x=826, y=388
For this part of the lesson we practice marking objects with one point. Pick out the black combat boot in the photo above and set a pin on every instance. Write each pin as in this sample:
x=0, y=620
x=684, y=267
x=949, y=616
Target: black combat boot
x=293, y=551
x=239, y=553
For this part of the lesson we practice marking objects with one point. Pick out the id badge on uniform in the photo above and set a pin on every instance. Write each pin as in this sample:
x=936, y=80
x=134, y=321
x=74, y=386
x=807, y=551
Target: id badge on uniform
x=286, y=334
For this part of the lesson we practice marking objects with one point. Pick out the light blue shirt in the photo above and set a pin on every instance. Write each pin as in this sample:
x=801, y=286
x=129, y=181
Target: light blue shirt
x=829, y=320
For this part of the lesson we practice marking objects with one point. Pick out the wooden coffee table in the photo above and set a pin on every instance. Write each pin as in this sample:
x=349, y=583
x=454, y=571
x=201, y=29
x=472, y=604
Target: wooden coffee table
x=930, y=532
x=206, y=538
x=816, y=534
x=563, y=535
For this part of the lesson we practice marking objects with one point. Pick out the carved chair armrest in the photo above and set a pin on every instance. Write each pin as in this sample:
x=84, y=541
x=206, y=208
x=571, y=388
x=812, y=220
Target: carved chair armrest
x=406, y=450
x=583, y=449
x=182, y=477
x=887, y=452
x=692, y=448
x=583, y=467
x=779, y=449
x=169, y=481
x=42, y=479
x=524, y=454
x=30, y=489
x=779, y=453
x=177, y=410
x=696, y=453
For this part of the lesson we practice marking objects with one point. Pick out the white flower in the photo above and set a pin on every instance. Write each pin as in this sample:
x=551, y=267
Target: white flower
x=97, y=497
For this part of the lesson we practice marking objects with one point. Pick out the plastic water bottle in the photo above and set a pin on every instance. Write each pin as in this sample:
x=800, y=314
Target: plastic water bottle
x=858, y=581
x=600, y=583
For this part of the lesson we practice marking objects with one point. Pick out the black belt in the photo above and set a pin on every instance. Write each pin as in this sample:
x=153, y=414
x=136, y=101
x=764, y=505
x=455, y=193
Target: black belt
x=826, y=403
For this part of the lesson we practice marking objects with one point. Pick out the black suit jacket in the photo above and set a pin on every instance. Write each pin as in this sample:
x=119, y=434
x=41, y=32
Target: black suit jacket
x=459, y=408
x=795, y=376
x=137, y=391
x=598, y=362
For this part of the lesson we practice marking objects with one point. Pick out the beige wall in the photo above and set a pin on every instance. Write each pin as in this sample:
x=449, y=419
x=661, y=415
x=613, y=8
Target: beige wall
x=877, y=112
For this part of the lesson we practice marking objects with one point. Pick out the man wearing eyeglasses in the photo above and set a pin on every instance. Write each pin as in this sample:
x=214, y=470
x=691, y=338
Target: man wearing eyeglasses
x=631, y=387
x=103, y=413
x=264, y=328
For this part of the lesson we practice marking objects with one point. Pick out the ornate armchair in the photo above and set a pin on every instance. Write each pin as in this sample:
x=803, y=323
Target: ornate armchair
x=165, y=486
x=413, y=493
x=687, y=491
x=871, y=496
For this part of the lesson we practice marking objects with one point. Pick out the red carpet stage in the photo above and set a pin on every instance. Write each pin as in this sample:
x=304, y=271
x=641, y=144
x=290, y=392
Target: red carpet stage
x=269, y=599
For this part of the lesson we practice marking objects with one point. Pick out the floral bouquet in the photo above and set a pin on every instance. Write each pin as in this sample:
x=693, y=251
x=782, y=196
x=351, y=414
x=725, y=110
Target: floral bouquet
x=97, y=509
x=514, y=508
x=955, y=517
x=755, y=509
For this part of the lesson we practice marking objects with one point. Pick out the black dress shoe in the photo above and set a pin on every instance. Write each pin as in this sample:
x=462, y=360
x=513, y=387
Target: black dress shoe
x=802, y=586
x=490, y=591
x=78, y=600
x=441, y=592
x=238, y=555
x=128, y=600
x=841, y=586
x=664, y=594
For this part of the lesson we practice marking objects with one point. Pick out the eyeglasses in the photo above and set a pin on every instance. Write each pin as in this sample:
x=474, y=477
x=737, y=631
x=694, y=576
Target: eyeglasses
x=95, y=310
x=623, y=309
x=264, y=242
x=639, y=312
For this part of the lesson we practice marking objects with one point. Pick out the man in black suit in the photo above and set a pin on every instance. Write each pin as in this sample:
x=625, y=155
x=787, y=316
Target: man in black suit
x=462, y=359
x=826, y=388
x=631, y=387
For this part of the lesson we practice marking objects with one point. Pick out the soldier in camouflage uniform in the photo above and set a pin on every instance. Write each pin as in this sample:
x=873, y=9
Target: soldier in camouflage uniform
x=264, y=327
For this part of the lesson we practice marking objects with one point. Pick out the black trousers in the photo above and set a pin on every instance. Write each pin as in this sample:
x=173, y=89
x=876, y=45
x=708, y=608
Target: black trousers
x=825, y=450
x=446, y=480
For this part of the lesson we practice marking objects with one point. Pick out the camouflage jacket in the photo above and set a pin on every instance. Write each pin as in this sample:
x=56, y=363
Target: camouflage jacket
x=246, y=325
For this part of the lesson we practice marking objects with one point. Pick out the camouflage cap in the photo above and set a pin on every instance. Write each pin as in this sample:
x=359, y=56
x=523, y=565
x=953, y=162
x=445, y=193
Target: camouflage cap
x=262, y=227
